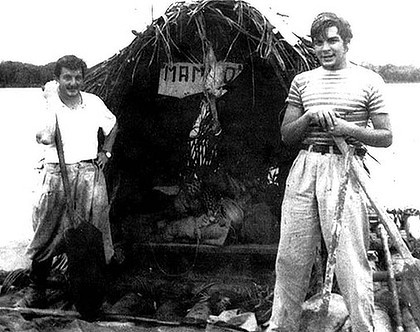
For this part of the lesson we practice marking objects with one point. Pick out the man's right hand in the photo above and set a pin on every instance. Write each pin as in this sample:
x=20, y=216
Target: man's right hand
x=326, y=118
x=46, y=136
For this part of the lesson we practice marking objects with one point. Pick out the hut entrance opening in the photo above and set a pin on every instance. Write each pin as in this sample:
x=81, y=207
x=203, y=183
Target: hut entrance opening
x=198, y=96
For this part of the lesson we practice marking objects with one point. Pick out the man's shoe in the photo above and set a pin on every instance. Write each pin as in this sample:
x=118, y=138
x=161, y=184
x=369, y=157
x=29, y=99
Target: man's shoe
x=34, y=298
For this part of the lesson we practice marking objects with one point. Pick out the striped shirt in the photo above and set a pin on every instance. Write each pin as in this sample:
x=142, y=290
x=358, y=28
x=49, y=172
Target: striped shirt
x=356, y=93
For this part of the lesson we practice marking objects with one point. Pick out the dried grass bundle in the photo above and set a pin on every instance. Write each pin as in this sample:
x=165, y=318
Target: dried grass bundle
x=235, y=30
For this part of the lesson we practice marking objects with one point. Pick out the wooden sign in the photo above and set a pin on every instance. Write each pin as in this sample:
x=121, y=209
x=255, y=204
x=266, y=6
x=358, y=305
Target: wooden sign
x=183, y=79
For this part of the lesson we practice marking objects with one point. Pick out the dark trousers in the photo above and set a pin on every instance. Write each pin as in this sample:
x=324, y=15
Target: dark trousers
x=39, y=273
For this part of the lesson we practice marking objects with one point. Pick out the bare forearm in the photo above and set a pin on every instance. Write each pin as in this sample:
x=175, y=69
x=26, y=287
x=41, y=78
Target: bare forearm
x=110, y=139
x=293, y=132
x=371, y=136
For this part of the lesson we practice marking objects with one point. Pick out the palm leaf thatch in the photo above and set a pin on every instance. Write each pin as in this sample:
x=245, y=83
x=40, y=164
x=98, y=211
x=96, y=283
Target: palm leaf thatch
x=182, y=34
x=154, y=146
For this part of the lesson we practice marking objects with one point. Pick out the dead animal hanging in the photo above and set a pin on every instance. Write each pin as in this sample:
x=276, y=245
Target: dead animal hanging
x=199, y=91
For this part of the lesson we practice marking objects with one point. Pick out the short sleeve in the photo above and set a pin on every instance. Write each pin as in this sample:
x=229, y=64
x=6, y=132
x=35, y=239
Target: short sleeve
x=294, y=97
x=107, y=119
x=377, y=96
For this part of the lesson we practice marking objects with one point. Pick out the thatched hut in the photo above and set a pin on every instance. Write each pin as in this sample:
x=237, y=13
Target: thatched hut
x=198, y=96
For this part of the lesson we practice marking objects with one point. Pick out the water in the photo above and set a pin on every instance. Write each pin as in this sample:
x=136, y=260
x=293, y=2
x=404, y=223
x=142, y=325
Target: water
x=397, y=178
x=19, y=151
x=19, y=155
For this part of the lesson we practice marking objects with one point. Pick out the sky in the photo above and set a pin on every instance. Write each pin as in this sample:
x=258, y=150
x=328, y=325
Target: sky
x=40, y=31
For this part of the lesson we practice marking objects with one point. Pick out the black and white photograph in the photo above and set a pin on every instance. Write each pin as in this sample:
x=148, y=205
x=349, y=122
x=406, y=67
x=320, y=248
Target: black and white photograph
x=209, y=165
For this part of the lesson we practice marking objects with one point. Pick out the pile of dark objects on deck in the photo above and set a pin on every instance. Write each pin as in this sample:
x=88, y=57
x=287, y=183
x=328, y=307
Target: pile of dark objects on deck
x=205, y=291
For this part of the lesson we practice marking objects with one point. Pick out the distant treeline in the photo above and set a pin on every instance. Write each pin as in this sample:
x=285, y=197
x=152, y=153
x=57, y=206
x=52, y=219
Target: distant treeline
x=396, y=74
x=18, y=74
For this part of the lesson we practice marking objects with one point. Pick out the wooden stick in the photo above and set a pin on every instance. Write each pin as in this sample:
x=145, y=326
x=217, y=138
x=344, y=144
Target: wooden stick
x=64, y=175
x=384, y=275
x=335, y=236
x=42, y=312
x=107, y=316
x=411, y=273
x=362, y=177
x=391, y=280
x=76, y=315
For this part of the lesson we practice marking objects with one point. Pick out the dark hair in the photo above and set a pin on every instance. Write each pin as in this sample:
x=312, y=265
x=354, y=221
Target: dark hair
x=326, y=20
x=71, y=62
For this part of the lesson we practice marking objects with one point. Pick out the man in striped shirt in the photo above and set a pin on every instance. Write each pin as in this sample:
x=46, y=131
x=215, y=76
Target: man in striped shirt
x=336, y=99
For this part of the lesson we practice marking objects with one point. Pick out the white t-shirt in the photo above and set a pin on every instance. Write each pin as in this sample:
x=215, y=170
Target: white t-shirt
x=355, y=92
x=79, y=127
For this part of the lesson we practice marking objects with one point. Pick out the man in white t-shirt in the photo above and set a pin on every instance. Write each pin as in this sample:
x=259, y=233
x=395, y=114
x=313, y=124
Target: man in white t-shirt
x=336, y=99
x=80, y=116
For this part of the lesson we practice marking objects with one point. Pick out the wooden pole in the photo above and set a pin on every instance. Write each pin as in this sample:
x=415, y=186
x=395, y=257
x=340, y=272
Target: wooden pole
x=392, y=284
x=362, y=177
x=411, y=274
x=75, y=315
x=335, y=236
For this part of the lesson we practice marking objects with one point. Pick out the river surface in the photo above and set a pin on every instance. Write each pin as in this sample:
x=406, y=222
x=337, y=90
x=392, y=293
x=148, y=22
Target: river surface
x=396, y=176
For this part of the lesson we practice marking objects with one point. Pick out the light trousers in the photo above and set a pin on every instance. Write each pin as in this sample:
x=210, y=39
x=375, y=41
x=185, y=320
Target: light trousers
x=50, y=219
x=308, y=208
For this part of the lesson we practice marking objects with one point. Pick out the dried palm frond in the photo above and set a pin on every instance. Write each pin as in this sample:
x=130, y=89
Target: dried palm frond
x=15, y=279
x=235, y=29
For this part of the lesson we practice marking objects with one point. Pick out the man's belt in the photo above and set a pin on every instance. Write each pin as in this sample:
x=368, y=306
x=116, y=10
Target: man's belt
x=89, y=161
x=86, y=161
x=333, y=149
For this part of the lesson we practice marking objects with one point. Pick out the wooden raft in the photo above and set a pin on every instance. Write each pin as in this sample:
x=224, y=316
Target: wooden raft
x=243, y=249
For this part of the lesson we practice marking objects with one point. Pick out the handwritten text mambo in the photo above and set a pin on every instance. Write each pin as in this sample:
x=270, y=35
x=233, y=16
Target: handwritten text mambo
x=183, y=79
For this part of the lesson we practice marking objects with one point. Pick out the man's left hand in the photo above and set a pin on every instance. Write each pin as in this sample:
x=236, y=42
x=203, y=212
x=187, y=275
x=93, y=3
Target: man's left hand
x=341, y=128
